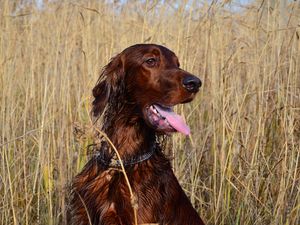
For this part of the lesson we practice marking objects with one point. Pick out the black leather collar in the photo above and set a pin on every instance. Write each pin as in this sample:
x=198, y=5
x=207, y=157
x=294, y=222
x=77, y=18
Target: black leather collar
x=114, y=162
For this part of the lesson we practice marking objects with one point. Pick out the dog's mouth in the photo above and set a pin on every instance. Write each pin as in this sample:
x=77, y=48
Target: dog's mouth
x=164, y=119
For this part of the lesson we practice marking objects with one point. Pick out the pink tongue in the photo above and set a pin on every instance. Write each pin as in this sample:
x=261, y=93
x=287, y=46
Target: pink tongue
x=174, y=120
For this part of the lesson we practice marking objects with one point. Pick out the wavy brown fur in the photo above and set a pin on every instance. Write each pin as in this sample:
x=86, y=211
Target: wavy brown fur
x=126, y=87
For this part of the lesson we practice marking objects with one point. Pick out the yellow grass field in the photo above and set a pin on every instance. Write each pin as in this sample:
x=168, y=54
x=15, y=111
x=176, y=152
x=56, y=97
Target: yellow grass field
x=241, y=164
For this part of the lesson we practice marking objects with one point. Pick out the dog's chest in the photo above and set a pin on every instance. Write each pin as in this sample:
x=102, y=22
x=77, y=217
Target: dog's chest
x=147, y=193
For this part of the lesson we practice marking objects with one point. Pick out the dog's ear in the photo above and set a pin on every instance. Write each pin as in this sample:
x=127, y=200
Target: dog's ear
x=107, y=84
x=101, y=94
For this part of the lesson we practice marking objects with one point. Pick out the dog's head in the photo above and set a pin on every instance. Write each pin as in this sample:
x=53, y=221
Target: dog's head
x=150, y=77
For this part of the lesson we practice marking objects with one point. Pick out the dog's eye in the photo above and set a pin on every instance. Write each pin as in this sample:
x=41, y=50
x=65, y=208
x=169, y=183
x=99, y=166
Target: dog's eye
x=151, y=62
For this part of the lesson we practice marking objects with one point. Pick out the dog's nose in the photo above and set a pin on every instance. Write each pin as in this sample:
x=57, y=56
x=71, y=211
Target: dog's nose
x=191, y=83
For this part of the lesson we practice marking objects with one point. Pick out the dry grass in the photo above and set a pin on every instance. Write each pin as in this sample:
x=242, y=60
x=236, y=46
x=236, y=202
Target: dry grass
x=241, y=164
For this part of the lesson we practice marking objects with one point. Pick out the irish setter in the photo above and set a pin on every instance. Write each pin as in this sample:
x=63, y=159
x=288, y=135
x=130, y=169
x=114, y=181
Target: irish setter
x=138, y=90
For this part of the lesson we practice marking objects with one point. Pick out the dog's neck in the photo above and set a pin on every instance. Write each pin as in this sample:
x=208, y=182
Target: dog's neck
x=128, y=132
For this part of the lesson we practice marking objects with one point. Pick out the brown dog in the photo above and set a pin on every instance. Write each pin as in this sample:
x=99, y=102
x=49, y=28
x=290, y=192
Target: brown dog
x=139, y=89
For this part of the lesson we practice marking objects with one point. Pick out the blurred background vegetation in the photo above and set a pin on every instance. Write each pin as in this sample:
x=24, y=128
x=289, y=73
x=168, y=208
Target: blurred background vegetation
x=241, y=164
